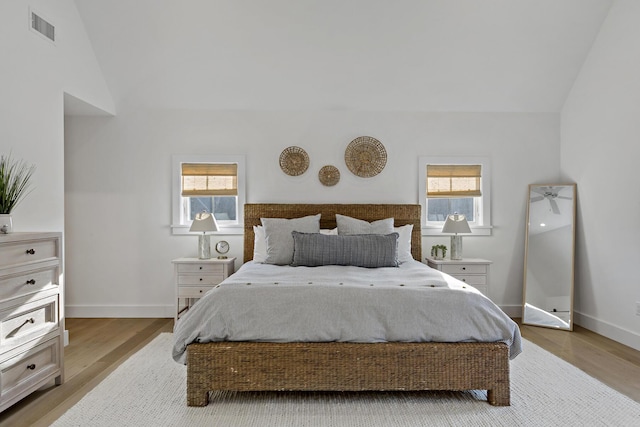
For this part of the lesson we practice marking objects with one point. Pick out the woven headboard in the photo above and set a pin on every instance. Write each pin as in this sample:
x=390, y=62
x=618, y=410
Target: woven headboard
x=402, y=214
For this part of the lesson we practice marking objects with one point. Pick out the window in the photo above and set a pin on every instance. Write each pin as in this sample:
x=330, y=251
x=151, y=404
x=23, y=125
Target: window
x=455, y=184
x=211, y=183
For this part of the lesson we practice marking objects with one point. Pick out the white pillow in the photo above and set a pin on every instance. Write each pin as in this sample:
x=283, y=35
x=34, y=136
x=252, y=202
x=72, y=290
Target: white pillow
x=260, y=243
x=404, y=242
x=329, y=231
x=348, y=225
x=277, y=233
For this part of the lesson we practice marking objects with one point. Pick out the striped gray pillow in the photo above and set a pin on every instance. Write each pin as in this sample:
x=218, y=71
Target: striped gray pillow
x=361, y=250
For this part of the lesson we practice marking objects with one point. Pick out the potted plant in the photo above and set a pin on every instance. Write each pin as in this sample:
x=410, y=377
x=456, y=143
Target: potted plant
x=15, y=177
x=438, y=251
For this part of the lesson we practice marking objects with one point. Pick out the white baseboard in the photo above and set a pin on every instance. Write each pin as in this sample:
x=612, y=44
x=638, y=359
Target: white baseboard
x=512, y=310
x=123, y=311
x=614, y=332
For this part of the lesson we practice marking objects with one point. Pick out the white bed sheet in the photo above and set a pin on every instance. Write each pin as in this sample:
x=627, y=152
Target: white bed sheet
x=410, y=303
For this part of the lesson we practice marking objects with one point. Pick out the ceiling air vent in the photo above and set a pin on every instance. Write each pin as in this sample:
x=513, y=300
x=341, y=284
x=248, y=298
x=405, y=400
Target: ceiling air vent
x=43, y=27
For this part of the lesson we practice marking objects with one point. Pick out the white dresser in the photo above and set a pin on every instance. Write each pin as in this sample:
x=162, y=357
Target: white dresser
x=31, y=325
x=472, y=271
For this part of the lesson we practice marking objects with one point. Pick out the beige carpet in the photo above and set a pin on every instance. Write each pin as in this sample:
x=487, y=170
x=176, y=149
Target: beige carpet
x=149, y=390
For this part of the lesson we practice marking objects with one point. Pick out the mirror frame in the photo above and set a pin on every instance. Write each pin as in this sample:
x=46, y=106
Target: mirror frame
x=573, y=254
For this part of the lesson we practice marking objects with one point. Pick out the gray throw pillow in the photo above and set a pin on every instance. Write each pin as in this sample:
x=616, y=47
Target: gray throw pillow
x=348, y=225
x=363, y=250
x=277, y=232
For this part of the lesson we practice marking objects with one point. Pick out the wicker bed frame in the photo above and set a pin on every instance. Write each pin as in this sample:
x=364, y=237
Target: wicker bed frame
x=339, y=366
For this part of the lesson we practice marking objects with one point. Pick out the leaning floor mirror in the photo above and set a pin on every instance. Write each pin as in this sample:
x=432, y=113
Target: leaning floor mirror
x=549, y=256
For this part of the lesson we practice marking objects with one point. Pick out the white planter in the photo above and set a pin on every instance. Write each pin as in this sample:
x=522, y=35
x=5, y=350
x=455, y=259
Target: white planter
x=6, y=224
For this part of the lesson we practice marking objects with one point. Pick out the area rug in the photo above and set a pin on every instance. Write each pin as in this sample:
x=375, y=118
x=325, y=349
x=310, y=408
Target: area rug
x=149, y=390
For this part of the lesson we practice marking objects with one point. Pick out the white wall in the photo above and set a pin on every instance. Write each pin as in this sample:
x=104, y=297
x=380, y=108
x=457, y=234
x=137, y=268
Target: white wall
x=600, y=151
x=118, y=186
x=33, y=77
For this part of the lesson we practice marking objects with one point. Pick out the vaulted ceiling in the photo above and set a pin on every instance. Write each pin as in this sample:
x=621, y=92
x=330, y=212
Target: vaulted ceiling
x=403, y=55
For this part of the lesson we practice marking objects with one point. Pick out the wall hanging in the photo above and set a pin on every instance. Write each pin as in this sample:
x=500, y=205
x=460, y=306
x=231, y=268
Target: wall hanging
x=365, y=156
x=294, y=161
x=329, y=175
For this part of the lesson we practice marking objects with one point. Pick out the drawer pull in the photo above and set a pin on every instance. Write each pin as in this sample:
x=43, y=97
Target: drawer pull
x=464, y=280
x=31, y=251
x=464, y=268
x=200, y=290
x=201, y=279
x=32, y=366
x=200, y=267
x=31, y=282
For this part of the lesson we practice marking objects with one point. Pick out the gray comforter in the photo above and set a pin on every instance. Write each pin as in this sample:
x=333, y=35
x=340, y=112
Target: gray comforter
x=411, y=303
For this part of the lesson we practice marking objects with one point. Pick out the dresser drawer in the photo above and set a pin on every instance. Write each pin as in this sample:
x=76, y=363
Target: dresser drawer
x=202, y=279
x=193, y=291
x=28, y=282
x=28, y=321
x=464, y=269
x=472, y=280
x=204, y=268
x=28, y=251
x=22, y=371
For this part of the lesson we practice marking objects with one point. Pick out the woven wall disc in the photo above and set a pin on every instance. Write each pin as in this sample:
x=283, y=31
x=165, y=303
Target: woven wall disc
x=294, y=161
x=365, y=156
x=329, y=175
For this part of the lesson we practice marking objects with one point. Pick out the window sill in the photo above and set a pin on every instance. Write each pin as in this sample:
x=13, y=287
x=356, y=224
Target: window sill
x=430, y=230
x=232, y=230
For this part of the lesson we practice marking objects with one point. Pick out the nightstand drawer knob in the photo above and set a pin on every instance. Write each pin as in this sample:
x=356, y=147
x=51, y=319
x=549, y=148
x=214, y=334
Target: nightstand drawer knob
x=31, y=282
x=32, y=366
x=31, y=251
x=464, y=280
x=201, y=279
x=200, y=290
x=464, y=268
x=200, y=267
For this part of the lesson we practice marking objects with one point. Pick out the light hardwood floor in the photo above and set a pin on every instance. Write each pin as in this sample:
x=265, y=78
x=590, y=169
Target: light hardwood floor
x=98, y=346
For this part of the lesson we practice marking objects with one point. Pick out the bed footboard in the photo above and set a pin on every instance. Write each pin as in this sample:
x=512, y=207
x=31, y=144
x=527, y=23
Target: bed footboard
x=250, y=366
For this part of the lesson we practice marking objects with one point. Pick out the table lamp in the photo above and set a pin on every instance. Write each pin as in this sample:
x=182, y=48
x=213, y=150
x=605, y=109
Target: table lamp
x=456, y=223
x=203, y=222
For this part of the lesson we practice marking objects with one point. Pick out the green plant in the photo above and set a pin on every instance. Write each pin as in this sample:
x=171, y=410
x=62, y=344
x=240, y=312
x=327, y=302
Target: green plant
x=15, y=177
x=434, y=250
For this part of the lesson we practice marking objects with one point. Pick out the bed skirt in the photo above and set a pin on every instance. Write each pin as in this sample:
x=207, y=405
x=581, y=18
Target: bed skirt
x=339, y=366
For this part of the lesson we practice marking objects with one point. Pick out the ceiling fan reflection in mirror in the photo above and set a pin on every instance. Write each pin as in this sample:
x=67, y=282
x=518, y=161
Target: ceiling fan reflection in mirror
x=551, y=194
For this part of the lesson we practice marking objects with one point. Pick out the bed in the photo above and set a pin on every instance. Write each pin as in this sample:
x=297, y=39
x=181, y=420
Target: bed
x=250, y=365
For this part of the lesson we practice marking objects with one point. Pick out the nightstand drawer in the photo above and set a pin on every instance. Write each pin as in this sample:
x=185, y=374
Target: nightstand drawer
x=28, y=251
x=31, y=320
x=464, y=269
x=204, y=279
x=193, y=291
x=20, y=372
x=472, y=280
x=201, y=268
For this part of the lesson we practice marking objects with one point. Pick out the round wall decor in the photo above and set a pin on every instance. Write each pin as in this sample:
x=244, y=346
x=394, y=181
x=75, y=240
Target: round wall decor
x=365, y=156
x=294, y=161
x=329, y=175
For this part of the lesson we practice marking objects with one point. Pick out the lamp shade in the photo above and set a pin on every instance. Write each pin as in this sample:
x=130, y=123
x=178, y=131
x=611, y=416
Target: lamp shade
x=456, y=223
x=203, y=222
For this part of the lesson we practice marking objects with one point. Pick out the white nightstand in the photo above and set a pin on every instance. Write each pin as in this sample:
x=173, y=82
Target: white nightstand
x=194, y=277
x=473, y=271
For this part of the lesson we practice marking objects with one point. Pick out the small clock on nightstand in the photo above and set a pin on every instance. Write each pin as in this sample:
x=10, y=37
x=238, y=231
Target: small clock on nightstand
x=222, y=247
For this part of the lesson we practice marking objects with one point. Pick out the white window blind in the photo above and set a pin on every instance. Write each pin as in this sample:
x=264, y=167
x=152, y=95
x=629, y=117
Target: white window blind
x=209, y=179
x=449, y=181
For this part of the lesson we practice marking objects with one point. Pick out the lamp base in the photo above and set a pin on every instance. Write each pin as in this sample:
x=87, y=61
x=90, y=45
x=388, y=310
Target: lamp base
x=204, y=246
x=456, y=247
